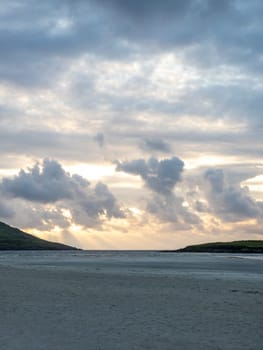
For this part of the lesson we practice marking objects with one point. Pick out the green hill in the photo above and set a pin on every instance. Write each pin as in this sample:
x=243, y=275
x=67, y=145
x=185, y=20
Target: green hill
x=226, y=247
x=13, y=239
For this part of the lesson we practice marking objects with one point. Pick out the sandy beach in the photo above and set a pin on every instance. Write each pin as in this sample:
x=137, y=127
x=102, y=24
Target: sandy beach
x=129, y=300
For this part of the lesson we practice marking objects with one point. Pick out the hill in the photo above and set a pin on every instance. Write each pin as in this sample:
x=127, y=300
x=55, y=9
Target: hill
x=14, y=239
x=250, y=246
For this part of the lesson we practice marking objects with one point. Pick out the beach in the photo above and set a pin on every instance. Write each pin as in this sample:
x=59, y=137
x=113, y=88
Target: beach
x=130, y=300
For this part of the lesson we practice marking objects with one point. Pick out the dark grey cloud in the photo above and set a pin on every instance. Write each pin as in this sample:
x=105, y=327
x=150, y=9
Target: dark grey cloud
x=47, y=185
x=99, y=202
x=37, y=216
x=222, y=29
x=141, y=9
x=155, y=145
x=230, y=32
x=170, y=209
x=40, y=143
x=160, y=176
x=100, y=139
x=231, y=202
x=216, y=179
x=6, y=212
x=237, y=101
x=201, y=207
x=51, y=184
x=234, y=100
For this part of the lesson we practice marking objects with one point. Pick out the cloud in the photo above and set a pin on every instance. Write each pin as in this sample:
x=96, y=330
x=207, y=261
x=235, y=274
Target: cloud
x=230, y=202
x=49, y=184
x=61, y=31
x=99, y=203
x=140, y=9
x=100, y=139
x=222, y=29
x=171, y=209
x=156, y=145
x=140, y=77
x=71, y=145
x=160, y=176
x=34, y=215
x=5, y=211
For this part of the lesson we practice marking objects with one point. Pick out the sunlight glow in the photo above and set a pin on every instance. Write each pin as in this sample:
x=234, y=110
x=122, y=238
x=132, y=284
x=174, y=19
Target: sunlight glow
x=210, y=160
x=92, y=171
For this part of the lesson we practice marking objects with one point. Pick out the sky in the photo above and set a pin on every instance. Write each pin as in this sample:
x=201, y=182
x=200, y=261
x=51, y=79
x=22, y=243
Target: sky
x=132, y=124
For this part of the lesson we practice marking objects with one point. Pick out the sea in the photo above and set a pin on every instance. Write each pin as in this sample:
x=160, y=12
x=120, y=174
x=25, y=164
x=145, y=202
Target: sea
x=201, y=265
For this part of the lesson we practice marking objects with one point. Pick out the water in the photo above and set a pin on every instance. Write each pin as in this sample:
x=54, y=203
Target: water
x=199, y=265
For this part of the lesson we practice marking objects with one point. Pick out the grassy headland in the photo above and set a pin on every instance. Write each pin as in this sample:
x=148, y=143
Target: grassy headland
x=14, y=239
x=250, y=246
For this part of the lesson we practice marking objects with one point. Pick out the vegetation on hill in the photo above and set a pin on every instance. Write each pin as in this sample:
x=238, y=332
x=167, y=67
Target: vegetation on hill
x=13, y=239
x=251, y=246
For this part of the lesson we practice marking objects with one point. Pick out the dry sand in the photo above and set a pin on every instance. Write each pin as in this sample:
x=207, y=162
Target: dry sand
x=130, y=301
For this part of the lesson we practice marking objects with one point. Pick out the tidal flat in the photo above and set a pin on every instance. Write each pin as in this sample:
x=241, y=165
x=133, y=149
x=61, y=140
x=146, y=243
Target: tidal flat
x=111, y=300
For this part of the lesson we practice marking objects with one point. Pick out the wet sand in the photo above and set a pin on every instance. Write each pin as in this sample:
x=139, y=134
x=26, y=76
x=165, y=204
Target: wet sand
x=130, y=301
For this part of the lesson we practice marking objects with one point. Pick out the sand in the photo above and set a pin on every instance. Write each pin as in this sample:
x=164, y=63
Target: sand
x=129, y=301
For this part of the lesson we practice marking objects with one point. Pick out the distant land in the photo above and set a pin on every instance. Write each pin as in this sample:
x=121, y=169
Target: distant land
x=250, y=246
x=14, y=239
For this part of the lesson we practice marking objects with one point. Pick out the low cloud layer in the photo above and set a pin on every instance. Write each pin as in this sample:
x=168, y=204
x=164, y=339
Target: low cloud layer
x=160, y=176
x=49, y=184
x=229, y=201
